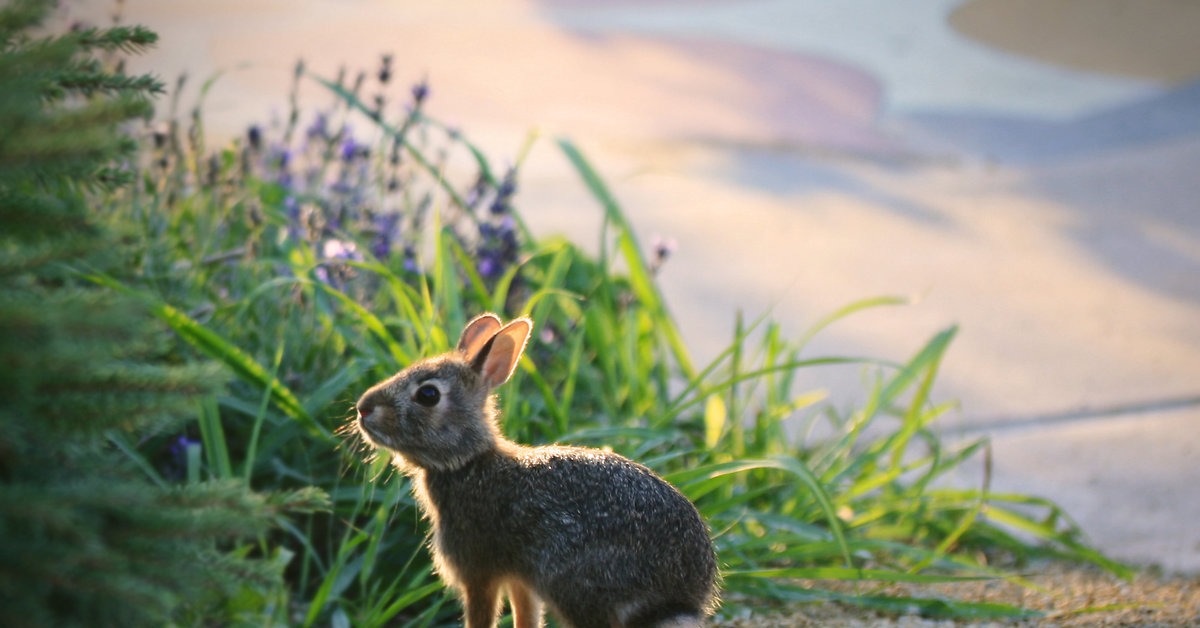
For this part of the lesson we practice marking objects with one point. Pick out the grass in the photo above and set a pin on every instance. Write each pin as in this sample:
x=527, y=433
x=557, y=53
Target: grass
x=312, y=262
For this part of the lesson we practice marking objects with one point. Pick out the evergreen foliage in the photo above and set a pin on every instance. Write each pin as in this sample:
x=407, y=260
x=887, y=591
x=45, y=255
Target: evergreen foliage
x=88, y=534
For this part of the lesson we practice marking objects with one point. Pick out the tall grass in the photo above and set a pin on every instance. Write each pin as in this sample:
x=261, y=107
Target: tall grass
x=313, y=262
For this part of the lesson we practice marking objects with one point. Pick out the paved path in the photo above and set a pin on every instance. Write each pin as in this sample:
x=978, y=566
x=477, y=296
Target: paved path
x=805, y=154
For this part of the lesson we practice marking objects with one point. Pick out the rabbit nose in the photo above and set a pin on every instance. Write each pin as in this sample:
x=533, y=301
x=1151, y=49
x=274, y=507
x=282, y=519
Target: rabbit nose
x=365, y=407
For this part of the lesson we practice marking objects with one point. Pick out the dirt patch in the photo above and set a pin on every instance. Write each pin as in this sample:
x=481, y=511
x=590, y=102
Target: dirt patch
x=1069, y=597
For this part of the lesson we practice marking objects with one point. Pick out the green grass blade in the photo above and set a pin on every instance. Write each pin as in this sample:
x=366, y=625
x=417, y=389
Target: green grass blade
x=334, y=388
x=848, y=310
x=259, y=417
x=926, y=358
x=793, y=467
x=850, y=573
x=419, y=157
x=640, y=277
x=378, y=331
x=121, y=442
x=212, y=434
x=1048, y=533
x=217, y=347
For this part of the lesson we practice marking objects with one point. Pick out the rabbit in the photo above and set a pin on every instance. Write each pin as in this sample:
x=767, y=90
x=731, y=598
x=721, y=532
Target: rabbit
x=591, y=537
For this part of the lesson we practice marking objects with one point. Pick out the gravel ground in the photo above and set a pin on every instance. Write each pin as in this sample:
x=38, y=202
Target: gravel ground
x=1151, y=599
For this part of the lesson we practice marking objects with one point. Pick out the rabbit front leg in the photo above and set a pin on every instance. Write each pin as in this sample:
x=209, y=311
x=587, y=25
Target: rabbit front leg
x=526, y=607
x=481, y=603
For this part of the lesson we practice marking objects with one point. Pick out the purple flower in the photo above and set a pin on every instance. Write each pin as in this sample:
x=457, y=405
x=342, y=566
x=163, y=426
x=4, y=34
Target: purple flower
x=410, y=259
x=176, y=464
x=489, y=268
x=351, y=150
x=504, y=193
x=179, y=447
x=397, y=152
x=386, y=229
x=254, y=137
x=663, y=249
x=319, y=129
x=476, y=193
x=498, y=247
x=291, y=208
x=420, y=92
x=341, y=187
x=385, y=69
x=279, y=161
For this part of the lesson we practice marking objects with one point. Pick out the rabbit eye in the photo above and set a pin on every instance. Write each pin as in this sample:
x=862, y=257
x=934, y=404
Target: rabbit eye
x=427, y=395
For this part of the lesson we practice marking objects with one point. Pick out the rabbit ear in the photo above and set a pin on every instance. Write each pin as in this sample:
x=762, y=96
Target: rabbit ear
x=477, y=333
x=498, y=358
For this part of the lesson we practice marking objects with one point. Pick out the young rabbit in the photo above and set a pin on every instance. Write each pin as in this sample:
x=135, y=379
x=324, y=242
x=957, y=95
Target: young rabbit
x=599, y=540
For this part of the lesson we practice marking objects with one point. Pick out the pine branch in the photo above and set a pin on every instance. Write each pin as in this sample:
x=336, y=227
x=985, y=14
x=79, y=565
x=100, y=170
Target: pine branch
x=127, y=39
x=31, y=218
x=18, y=17
x=89, y=78
x=69, y=143
x=85, y=538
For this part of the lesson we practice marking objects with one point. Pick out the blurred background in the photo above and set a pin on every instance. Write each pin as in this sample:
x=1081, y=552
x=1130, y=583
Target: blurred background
x=1026, y=169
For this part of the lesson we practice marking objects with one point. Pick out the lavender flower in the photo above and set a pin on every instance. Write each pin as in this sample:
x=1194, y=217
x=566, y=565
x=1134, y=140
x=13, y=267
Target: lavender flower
x=397, y=152
x=504, y=193
x=410, y=259
x=385, y=69
x=292, y=209
x=420, y=92
x=663, y=249
x=278, y=163
x=319, y=129
x=386, y=230
x=176, y=464
x=498, y=247
x=475, y=195
x=334, y=188
x=351, y=150
x=214, y=171
x=254, y=137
